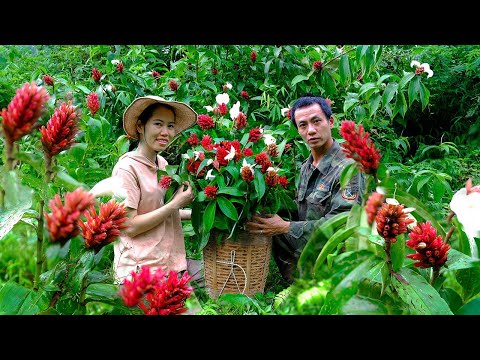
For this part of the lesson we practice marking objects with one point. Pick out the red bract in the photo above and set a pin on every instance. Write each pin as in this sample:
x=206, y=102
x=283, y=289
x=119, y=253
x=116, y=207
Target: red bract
x=430, y=249
x=317, y=65
x=263, y=160
x=61, y=129
x=205, y=122
x=193, y=139
x=240, y=121
x=168, y=296
x=359, y=147
x=272, y=150
x=245, y=95
x=93, y=103
x=155, y=74
x=62, y=223
x=254, y=135
x=22, y=114
x=392, y=221
x=165, y=181
x=253, y=56
x=247, y=174
x=283, y=181
x=214, y=71
x=271, y=178
x=222, y=109
x=48, y=80
x=102, y=229
x=120, y=67
x=173, y=85
x=375, y=200
x=211, y=191
x=132, y=291
x=96, y=75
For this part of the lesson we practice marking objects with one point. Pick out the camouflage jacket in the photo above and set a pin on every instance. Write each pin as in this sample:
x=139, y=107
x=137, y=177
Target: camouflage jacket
x=319, y=195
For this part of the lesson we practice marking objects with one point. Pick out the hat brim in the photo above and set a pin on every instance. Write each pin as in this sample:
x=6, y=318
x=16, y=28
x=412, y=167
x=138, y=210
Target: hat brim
x=185, y=116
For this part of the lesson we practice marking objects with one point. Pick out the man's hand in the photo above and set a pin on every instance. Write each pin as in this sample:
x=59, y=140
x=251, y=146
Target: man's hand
x=268, y=225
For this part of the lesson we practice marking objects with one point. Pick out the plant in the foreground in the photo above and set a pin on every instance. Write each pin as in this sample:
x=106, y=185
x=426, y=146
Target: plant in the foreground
x=156, y=293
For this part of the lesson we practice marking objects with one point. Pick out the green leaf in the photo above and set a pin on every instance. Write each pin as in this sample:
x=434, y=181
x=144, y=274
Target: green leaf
x=297, y=79
x=101, y=292
x=424, y=95
x=389, y=93
x=457, y=260
x=397, y=252
x=374, y=102
x=227, y=208
x=67, y=181
x=406, y=78
x=347, y=173
x=12, y=297
x=84, y=89
x=413, y=90
x=344, y=68
x=423, y=180
x=349, y=103
x=259, y=183
x=420, y=297
x=438, y=189
x=469, y=279
x=470, y=308
x=234, y=191
x=209, y=216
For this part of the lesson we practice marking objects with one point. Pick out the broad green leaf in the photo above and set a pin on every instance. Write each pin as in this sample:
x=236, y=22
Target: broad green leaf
x=84, y=89
x=452, y=298
x=259, y=183
x=457, y=260
x=328, y=82
x=438, y=189
x=35, y=303
x=94, y=130
x=297, y=79
x=230, y=191
x=420, y=297
x=101, y=292
x=470, y=308
x=83, y=267
x=389, y=93
x=406, y=78
x=423, y=180
x=349, y=103
x=366, y=87
x=209, y=216
x=362, y=305
x=424, y=95
x=335, y=239
x=227, y=208
x=469, y=279
x=374, y=102
x=344, y=69
x=68, y=181
x=413, y=90
x=397, y=252
x=347, y=173
x=9, y=218
x=12, y=297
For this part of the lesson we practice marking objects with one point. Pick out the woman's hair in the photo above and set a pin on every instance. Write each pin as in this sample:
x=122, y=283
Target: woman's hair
x=144, y=116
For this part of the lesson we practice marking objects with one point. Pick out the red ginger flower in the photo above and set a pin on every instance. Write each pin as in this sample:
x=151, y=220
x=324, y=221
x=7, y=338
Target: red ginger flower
x=240, y=121
x=247, y=152
x=272, y=150
x=165, y=181
x=271, y=178
x=222, y=109
x=247, y=173
x=168, y=296
x=359, y=147
x=93, y=103
x=253, y=56
x=102, y=229
x=392, y=221
x=263, y=160
x=375, y=200
x=48, y=80
x=120, y=67
x=244, y=94
x=205, y=122
x=283, y=181
x=193, y=139
x=254, y=135
x=173, y=85
x=214, y=71
x=207, y=142
x=211, y=191
x=132, y=291
x=62, y=223
x=155, y=74
x=430, y=249
x=61, y=129
x=96, y=75
x=317, y=65
x=22, y=114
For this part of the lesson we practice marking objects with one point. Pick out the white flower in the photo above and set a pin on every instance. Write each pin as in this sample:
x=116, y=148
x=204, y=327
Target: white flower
x=209, y=108
x=284, y=111
x=196, y=154
x=112, y=186
x=222, y=99
x=235, y=110
x=109, y=87
x=467, y=209
x=426, y=67
x=185, y=156
x=209, y=175
x=414, y=63
x=380, y=190
x=231, y=154
x=115, y=61
x=392, y=201
x=269, y=139
x=209, y=161
x=229, y=86
x=246, y=164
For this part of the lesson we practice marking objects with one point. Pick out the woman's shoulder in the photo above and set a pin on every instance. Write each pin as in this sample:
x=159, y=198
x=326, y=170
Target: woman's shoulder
x=162, y=162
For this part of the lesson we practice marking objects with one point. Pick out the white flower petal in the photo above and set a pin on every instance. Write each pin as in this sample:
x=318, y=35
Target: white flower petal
x=115, y=61
x=381, y=190
x=392, y=201
x=209, y=175
x=231, y=154
x=209, y=108
x=112, y=186
x=222, y=99
x=414, y=63
x=269, y=139
x=235, y=110
x=284, y=111
x=228, y=85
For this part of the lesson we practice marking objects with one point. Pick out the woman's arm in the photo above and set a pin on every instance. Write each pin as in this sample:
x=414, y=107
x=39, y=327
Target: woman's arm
x=186, y=214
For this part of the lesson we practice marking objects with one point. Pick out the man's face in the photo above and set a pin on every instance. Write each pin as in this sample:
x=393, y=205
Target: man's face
x=314, y=127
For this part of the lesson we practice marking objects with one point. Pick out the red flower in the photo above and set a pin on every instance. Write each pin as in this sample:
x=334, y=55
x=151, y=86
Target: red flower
x=214, y=71
x=48, y=80
x=102, y=229
x=96, y=75
x=62, y=223
x=93, y=103
x=282, y=180
x=392, y=221
x=165, y=181
x=360, y=77
x=328, y=101
x=207, y=142
x=155, y=75
x=168, y=296
x=193, y=139
x=23, y=111
x=253, y=56
x=247, y=173
x=61, y=129
x=211, y=191
x=120, y=67
x=287, y=147
x=132, y=291
x=222, y=109
x=205, y=122
x=247, y=152
x=272, y=150
x=173, y=85
x=430, y=249
x=317, y=65
x=359, y=147
x=245, y=95
x=254, y=135
x=193, y=165
x=375, y=200
x=240, y=121
x=271, y=178
x=263, y=160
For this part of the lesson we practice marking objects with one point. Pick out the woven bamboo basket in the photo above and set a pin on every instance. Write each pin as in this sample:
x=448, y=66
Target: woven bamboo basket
x=237, y=267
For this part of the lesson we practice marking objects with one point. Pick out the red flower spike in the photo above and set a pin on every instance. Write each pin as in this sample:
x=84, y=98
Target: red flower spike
x=120, y=67
x=96, y=75
x=23, y=111
x=143, y=282
x=430, y=249
x=392, y=221
x=317, y=65
x=263, y=160
x=374, y=202
x=165, y=181
x=173, y=85
x=156, y=75
x=222, y=109
x=245, y=95
x=48, y=80
x=93, y=103
x=205, y=122
x=240, y=121
x=211, y=191
x=62, y=223
x=247, y=173
x=254, y=135
x=193, y=140
x=61, y=129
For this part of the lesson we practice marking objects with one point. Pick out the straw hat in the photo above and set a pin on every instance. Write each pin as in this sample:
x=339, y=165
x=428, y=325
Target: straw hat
x=185, y=116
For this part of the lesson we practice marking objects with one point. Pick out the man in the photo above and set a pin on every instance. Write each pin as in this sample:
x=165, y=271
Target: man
x=319, y=194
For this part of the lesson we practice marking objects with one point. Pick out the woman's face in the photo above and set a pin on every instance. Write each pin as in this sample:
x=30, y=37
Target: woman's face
x=159, y=129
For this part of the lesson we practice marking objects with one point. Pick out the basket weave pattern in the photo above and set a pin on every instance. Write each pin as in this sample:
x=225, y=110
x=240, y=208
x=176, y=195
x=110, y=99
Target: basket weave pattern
x=237, y=267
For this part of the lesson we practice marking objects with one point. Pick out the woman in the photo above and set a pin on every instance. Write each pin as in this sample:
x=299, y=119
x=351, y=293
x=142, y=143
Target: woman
x=154, y=236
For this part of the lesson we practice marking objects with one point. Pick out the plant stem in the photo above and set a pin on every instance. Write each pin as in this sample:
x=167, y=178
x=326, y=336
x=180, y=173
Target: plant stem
x=388, y=246
x=38, y=268
x=435, y=274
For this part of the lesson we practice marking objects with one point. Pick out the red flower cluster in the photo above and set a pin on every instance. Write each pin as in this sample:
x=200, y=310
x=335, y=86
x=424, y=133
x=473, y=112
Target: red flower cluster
x=61, y=129
x=165, y=181
x=240, y=121
x=102, y=229
x=272, y=150
x=244, y=94
x=222, y=109
x=392, y=221
x=205, y=122
x=317, y=65
x=211, y=191
x=374, y=202
x=247, y=173
x=214, y=71
x=253, y=56
x=155, y=74
x=23, y=111
x=48, y=80
x=173, y=85
x=93, y=103
x=96, y=75
x=430, y=249
x=155, y=293
x=263, y=160
x=193, y=139
x=254, y=135
x=62, y=223
x=359, y=147
x=120, y=67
